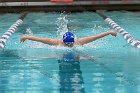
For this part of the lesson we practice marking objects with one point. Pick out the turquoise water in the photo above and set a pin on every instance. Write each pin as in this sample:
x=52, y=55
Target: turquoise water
x=107, y=65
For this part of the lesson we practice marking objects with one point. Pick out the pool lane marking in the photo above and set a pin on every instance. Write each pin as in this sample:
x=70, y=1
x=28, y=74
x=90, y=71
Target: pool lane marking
x=11, y=30
x=130, y=39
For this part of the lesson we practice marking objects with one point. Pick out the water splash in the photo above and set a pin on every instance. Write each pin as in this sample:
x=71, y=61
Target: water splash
x=62, y=24
x=28, y=31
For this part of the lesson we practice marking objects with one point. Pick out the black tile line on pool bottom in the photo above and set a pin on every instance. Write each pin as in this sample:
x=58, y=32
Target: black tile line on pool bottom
x=92, y=59
x=45, y=73
x=48, y=74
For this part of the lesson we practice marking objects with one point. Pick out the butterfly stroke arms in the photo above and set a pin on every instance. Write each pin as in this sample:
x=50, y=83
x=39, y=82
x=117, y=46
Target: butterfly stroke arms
x=82, y=41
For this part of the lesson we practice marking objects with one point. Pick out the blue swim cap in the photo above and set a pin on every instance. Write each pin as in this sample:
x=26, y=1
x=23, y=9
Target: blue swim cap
x=68, y=37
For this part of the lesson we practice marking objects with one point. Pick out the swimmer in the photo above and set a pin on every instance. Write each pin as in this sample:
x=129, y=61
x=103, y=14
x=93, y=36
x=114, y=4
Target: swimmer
x=68, y=39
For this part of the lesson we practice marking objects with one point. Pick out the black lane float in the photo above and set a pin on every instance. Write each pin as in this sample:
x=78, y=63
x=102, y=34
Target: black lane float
x=130, y=39
x=11, y=30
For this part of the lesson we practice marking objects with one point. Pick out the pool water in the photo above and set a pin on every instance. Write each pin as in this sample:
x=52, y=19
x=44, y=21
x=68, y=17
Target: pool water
x=107, y=65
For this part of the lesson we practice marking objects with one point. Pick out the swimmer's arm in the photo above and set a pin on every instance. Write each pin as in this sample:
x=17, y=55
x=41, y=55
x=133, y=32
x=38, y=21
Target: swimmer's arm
x=88, y=39
x=49, y=41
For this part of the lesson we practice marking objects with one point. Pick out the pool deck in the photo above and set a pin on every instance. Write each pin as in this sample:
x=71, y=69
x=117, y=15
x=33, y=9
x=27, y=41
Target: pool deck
x=74, y=6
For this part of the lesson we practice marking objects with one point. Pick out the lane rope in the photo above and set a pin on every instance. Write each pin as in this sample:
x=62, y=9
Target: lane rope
x=128, y=37
x=11, y=30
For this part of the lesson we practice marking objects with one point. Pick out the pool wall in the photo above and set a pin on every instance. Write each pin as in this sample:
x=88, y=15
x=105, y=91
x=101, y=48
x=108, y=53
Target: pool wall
x=71, y=5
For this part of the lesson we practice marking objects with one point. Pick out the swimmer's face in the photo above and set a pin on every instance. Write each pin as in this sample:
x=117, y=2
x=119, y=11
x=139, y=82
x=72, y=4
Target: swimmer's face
x=69, y=44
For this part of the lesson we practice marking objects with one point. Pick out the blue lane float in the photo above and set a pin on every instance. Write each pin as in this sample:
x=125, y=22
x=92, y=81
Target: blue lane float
x=11, y=30
x=130, y=39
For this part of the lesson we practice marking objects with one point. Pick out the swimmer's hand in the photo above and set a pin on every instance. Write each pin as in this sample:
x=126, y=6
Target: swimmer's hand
x=23, y=38
x=113, y=33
